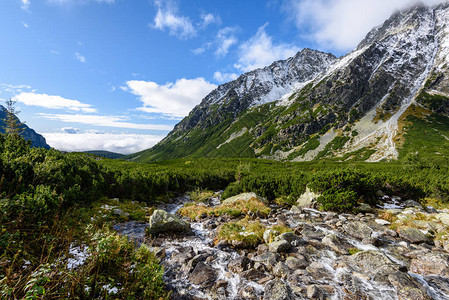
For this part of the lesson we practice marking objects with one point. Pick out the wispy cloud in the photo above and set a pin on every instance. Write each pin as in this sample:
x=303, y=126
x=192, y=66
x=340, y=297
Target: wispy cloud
x=167, y=18
x=25, y=25
x=341, y=24
x=225, y=39
x=25, y=4
x=171, y=99
x=79, y=2
x=53, y=102
x=119, y=143
x=225, y=77
x=207, y=19
x=14, y=89
x=80, y=57
x=260, y=51
x=104, y=121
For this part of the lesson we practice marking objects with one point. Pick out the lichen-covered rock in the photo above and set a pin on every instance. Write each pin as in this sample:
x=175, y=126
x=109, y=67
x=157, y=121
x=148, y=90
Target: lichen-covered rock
x=358, y=230
x=163, y=222
x=242, y=196
x=290, y=237
x=337, y=244
x=407, y=287
x=413, y=235
x=431, y=263
x=279, y=246
x=296, y=262
x=307, y=198
x=240, y=264
x=277, y=290
x=375, y=264
x=269, y=235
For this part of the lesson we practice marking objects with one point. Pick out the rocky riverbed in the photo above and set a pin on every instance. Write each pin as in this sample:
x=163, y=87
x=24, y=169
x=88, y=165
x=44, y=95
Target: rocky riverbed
x=397, y=250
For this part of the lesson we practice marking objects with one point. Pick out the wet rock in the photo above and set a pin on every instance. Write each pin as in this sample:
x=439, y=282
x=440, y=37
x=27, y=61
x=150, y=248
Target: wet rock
x=247, y=293
x=317, y=270
x=277, y=290
x=187, y=268
x=296, y=262
x=240, y=264
x=358, y=230
x=375, y=263
x=311, y=233
x=269, y=258
x=269, y=235
x=407, y=287
x=221, y=284
x=431, y=210
x=163, y=222
x=265, y=279
x=335, y=243
x=438, y=282
x=413, y=203
x=279, y=246
x=203, y=275
x=252, y=275
x=158, y=251
x=281, y=270
x=319, y=292
x=222, y=244
x=431, y=263
x=413, y=235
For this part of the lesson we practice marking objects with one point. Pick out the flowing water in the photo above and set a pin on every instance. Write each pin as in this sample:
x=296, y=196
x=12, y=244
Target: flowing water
x=201, y=243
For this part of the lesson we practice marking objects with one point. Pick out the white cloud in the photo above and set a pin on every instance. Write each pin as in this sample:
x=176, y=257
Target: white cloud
x=25, y=25
x=14, y=89
x=120, y=143
x=259, y=51
x=80, y=57
x=225, y=77
x=105, y=121
x=207, y=19
x=25, y=4
x=225, y=39
x=81, y=2
x=53, y=102
x=341, y=24
x=172, y=99
x=70, y=130
x=167, y=17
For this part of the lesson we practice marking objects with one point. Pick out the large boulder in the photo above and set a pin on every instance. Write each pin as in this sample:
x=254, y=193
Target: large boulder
x=163, y=222
x=203, y=275
x=375, y=264
x=431, y=263
x=242, y=196
x=337, y=244
x=407, y=287
x=413, y=235
x=358, y=230
x=279, y=246
x=307, y=198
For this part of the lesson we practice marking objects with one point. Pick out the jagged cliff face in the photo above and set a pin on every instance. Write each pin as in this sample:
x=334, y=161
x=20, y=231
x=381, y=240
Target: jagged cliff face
x=315, y=105
x=36, y=139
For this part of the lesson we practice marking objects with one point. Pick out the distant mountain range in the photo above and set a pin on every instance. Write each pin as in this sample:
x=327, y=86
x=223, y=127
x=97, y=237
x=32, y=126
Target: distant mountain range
x=385, y=99
x=36, y=139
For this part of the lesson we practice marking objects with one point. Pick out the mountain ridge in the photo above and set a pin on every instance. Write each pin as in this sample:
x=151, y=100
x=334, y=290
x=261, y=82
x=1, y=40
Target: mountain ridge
x=329, y=106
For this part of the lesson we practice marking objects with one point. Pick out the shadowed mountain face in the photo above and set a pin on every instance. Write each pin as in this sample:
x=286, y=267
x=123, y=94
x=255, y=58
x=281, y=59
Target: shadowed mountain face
x=36, y=139
x=315, y=105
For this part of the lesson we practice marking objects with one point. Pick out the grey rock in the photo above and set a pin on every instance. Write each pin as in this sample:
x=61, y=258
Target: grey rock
x=281, y=270
x=252, y=275
x=290, y=237
x=277, y=290
x=337, y=244
x=240, y=264
x=203, y=275
x=407, y=287
x=375, y=263
x=413, y=235
x=436, y=263
x=163, y=222
x=296, y=263
x=279, y=246
x=311, y=233
x=358, y=230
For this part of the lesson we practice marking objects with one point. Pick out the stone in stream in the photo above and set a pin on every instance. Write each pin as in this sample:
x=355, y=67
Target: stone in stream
x=413, y=235
x=407, y=287
x=240, y=264
x=252, y=275
x=375, y=264
x=290, y=237
x=436, y=263
x=203, y=275
x=337, y=244
x=358, y=230
x=279, y=246
x=298, y=262
x=281, y=270
x=277, y=290
x=163, y=222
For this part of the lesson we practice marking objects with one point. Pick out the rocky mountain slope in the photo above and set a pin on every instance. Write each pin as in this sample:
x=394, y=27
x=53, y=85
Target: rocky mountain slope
x=366, y=105
x=36, y=139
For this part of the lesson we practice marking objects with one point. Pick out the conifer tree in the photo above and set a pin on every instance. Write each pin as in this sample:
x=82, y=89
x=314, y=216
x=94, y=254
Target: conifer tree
x=13, y=127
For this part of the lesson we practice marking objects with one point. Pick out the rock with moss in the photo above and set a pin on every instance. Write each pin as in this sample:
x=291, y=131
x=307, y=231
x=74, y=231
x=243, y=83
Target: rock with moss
x=277, y=290
x=269, y=235
x=413, y=235
x=163, y=222
x=242, y=196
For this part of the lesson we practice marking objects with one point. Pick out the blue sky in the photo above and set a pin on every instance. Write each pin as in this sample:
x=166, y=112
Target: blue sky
x=117, y=75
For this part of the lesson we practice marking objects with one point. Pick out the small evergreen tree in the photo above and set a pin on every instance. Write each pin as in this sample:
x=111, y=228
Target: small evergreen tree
x=13, y=127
